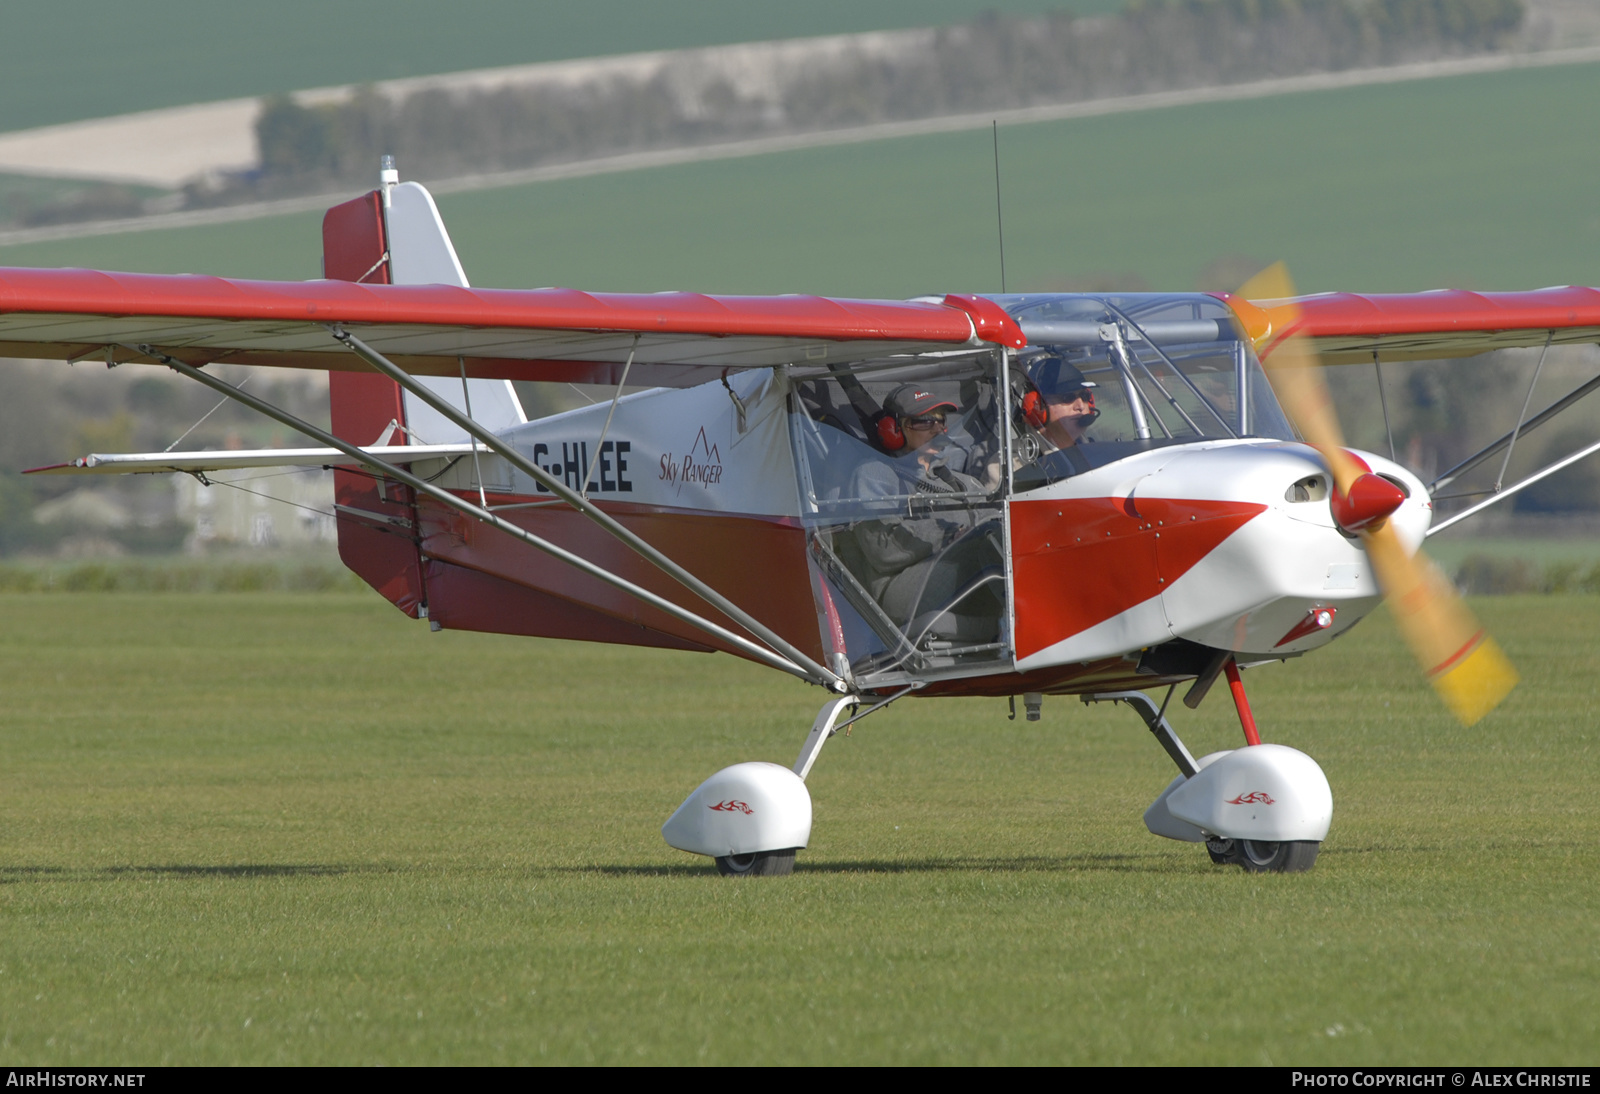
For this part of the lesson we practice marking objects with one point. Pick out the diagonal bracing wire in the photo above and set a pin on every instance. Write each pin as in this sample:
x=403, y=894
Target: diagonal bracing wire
x=204, y=416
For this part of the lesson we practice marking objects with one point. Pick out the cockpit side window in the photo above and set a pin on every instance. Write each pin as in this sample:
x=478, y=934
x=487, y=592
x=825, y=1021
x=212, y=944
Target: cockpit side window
x=901, y=467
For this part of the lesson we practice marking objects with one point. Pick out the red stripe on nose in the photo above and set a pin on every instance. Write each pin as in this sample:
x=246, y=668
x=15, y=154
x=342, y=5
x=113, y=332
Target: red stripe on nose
x=1078, y=562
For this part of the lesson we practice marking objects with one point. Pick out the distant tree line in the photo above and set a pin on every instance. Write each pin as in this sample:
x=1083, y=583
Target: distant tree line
x=50, y=413
x=994, y=63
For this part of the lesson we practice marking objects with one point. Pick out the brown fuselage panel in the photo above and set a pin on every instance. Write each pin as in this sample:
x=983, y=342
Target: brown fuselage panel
x=467, y=600
x=758, y=563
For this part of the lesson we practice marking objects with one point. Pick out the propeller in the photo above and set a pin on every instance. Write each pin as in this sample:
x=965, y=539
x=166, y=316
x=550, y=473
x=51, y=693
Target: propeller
x=1462, y=662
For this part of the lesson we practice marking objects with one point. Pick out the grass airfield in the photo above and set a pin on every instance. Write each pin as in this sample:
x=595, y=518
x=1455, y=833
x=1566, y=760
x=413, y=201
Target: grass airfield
x=302, y=829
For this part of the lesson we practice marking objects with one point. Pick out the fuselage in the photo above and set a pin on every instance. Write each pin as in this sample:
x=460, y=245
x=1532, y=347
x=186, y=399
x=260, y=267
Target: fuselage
x=1189, y=520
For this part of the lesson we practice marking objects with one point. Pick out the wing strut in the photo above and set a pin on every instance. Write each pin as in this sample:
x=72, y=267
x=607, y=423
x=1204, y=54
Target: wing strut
x=812, y=670
x=803, y=669
x=1521, y=431
x=1513, y=490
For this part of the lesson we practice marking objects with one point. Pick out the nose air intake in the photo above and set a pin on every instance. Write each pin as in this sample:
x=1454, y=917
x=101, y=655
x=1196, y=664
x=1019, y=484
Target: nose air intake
x=1369, y=500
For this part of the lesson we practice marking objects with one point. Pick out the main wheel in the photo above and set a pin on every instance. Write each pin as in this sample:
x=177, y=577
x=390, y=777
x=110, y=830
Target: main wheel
x=759, y=864
x=1267, y=857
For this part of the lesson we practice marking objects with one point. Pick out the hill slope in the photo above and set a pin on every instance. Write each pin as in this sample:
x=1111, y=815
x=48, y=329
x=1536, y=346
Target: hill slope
x=1480, y=181
x=64, y=60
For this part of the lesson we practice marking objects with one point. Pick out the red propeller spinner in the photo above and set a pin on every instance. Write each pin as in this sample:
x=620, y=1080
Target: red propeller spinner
x=1370, y=499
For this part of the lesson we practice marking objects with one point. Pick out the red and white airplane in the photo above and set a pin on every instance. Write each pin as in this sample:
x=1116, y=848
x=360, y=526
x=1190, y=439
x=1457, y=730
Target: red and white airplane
x=882, y=498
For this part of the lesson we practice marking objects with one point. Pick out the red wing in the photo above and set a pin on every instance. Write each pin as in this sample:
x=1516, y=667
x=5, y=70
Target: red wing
x=679, y=339
x=1347, y=327
x=682, y=338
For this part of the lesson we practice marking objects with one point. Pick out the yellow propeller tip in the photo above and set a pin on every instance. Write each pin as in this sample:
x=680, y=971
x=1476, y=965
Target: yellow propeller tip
x=1477, y=683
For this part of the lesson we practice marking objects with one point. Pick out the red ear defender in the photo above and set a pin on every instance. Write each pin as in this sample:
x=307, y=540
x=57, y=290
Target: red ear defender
x=889, y=433
x=1034, y=412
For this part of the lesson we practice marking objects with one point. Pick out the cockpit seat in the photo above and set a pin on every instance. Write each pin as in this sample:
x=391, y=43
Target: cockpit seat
x=971, y=616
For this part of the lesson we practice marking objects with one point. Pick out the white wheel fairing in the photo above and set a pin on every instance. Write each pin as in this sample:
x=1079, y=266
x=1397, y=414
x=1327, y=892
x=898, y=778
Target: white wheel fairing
x=742, y=810
x=1160, y=821
x=1261, y=792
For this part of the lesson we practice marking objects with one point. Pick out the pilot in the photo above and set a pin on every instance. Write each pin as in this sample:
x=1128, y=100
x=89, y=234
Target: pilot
x=915, y=562
x=1068, y=398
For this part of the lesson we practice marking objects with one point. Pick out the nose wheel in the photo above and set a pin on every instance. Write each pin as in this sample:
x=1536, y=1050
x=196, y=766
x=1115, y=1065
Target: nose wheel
x=1264, y=856
x=760, y=864
x=1264, y=808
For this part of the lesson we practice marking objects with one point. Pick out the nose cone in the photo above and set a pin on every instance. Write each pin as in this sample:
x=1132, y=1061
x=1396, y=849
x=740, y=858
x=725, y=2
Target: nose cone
x=1371, y=498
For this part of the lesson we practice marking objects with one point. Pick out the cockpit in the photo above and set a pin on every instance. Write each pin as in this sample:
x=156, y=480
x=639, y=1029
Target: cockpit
x=902, y=477
x=905, y=464
x=1162, y=369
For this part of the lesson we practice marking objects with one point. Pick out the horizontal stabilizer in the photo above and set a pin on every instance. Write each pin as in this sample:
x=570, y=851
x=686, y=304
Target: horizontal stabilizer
x=151, y=463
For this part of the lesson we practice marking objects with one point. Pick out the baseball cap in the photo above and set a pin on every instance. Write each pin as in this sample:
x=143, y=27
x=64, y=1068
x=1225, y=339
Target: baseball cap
x=909, y=401
x=1051, y=374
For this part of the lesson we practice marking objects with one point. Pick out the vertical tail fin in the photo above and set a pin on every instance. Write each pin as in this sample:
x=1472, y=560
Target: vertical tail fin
x=395, y=236
x=420, y=253
x=377, y=521
x=355, y=248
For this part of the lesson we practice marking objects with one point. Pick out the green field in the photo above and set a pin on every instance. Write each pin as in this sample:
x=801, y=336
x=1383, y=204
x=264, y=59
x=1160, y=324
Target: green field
x=1483, y=182
x=62, y=60
x=301, y=829
x=1576, y=550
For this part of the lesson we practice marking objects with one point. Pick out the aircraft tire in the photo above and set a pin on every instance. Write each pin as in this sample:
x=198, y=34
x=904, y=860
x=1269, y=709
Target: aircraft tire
x=760, y=864
x=1266, y=857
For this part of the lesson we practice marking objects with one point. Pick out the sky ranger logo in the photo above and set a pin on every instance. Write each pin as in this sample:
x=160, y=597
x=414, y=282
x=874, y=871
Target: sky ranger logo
x=732, y=807
x=1258, y=797
x=703, y=464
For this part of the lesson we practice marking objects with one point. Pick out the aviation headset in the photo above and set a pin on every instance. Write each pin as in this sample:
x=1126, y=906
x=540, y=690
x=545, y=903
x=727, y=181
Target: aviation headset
x=1030, y=407
x=890, y=435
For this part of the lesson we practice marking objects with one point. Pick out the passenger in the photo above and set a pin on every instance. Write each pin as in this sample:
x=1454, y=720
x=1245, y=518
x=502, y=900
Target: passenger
x=1068, y=397
x=918, y=563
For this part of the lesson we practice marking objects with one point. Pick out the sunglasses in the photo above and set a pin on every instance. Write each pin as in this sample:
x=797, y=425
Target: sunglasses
x=1081, y=394
x=928, y=422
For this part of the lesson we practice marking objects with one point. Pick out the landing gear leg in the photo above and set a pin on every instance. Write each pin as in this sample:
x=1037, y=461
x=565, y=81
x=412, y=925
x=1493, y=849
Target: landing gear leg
x=1155, y=720
x=781, y=863
x=821, y=730
x=1247, y=719
x=1258, y=856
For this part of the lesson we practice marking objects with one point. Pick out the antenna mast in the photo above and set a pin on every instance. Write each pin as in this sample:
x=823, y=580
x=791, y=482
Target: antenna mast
x=998, y=219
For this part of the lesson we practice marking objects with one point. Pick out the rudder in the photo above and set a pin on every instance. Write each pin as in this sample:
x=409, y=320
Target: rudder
x=376, y=521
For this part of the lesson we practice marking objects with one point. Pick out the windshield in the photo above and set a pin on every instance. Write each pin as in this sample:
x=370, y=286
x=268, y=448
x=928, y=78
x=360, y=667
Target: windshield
x=1137, y=371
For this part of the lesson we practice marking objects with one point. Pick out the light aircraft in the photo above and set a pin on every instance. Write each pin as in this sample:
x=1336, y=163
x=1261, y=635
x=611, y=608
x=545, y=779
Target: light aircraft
x=768, y=495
